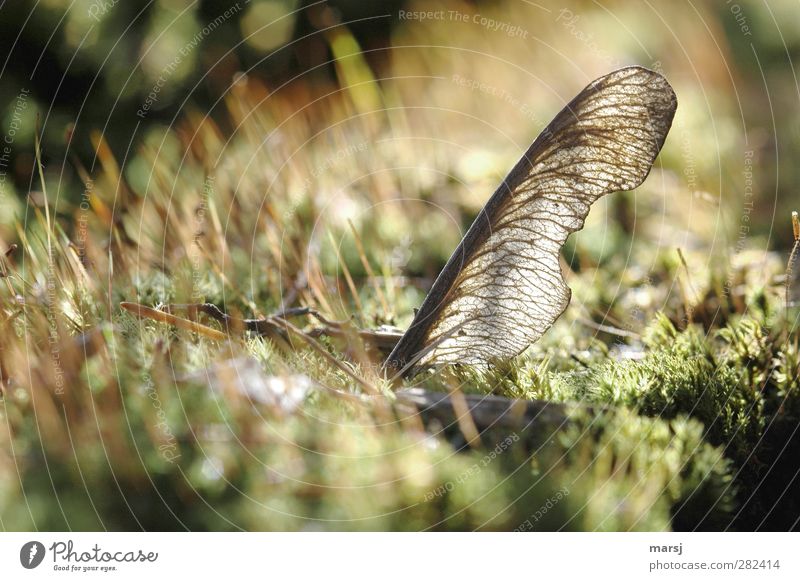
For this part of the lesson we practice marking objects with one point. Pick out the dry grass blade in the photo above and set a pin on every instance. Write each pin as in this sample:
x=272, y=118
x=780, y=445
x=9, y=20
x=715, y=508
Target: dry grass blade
x=170, y=319
x=791, y=272
x=370, y=273
x=347, y=276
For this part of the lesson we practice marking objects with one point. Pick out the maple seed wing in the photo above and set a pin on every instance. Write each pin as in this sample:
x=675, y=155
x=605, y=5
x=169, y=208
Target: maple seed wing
x=502, y=288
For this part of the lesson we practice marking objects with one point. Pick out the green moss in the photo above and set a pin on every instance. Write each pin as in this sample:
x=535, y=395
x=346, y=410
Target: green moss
x=680, y=419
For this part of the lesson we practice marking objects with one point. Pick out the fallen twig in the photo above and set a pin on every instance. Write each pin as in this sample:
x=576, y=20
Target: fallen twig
x=170, y=319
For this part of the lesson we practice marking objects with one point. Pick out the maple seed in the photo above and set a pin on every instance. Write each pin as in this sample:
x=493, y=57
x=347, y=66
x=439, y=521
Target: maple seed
x=502, y=288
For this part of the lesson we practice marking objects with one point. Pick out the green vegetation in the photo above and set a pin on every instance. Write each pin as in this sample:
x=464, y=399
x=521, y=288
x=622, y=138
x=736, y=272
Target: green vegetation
x=125, y=423
x=678, y=370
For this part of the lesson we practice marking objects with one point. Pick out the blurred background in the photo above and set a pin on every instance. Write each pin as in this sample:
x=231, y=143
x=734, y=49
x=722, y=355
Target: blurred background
x=347, y=108
x=88, y=66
